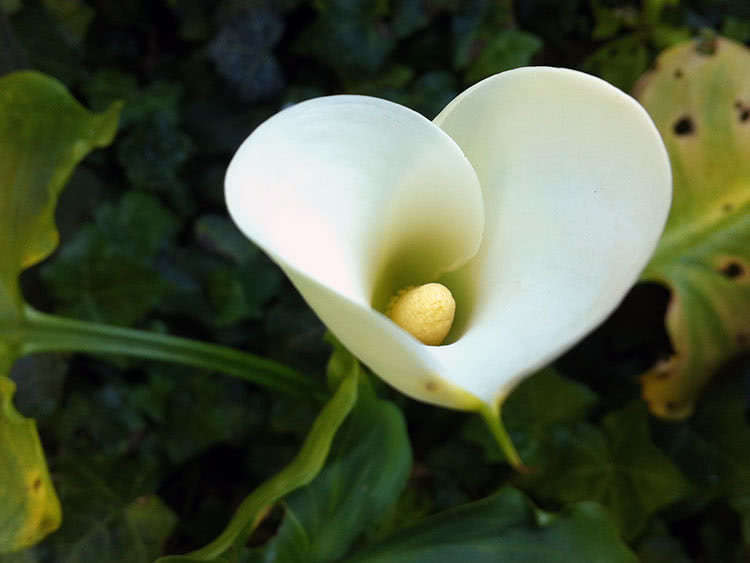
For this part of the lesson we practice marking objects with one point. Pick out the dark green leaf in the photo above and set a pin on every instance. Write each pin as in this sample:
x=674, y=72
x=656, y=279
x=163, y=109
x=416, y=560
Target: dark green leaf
x=39, y=380
x=194, y=412
x=506, y=50
x=504, y=527
x=160, y=99
x=620, y=468
x=74, y=17
x=152, y=154
x=123, y=525
x=620, y=62
x=713, y=447
x=298, y=473
x=362, y=479
x=534, y=407
x=106, y=272
x=348, y=35
x=242, y=54
x=658, y=546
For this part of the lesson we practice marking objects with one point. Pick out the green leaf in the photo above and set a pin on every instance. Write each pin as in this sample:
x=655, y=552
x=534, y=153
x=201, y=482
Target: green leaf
x=44, y=133
x=608, y=20
x=658, y=546
x=153, y=152
x=30, y=509
x=652, y=9
x=242, y=53
x=699, y=103
x=301, y=471
x=737, y=29
x=504, y=527
x=712, y=448
x=529, y=414
x=107, y=271
x=109, y=514
x=619, y=62
x=194, y=412
x=348, y=36
x=74, y=17
x=620, y=468
x=507, y=49
x=10, y=6
x=741, y=504
x=371, y=458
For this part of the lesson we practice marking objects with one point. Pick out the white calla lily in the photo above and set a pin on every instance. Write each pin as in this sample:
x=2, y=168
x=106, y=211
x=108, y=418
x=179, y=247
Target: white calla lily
x=536, y=197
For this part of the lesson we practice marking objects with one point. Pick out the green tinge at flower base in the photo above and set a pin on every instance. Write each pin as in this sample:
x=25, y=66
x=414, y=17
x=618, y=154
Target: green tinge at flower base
x=44, y=133
x=699, y=98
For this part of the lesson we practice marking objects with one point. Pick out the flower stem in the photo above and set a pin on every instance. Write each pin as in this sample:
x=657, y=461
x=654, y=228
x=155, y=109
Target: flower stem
x=493, y=418
x=40, y=332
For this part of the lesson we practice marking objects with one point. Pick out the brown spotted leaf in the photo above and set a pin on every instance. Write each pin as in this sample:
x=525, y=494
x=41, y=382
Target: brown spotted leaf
x=699, y=98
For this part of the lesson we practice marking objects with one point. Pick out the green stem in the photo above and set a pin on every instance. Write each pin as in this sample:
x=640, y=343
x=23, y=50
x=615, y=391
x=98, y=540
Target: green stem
x=302, y=469
x=493, y=418
x=41, y=332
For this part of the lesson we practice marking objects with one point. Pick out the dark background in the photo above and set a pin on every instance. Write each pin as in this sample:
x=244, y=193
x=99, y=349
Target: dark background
x=146, y=241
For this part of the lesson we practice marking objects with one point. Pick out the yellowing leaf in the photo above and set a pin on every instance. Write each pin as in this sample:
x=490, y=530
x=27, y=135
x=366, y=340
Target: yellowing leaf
x=699, y=98
x=29, y=509
x=44, y=133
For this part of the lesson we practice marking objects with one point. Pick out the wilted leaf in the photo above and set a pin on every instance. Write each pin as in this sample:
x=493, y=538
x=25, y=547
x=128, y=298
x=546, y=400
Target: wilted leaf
x=29, y=509
x=504, y=527
x=700, y=101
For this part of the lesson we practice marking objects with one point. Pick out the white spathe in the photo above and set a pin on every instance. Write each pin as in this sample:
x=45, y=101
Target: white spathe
x=536, y=196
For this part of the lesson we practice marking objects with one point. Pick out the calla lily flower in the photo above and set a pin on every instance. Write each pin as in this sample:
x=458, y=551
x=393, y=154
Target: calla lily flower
x=536, y=197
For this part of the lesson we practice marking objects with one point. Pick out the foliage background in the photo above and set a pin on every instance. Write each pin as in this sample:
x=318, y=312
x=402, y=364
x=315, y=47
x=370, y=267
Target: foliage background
x=158, y=455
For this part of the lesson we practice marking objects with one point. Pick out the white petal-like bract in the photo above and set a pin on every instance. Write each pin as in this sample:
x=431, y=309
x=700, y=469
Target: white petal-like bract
x=536, y=196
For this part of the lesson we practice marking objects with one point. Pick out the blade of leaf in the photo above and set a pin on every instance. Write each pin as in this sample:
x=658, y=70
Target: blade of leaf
x=44, y=133
x=371, y=456
x=504, y=527
x=303, y=469
x=699, y=98
x=620, y=468
x=29, y=509
x=111, y=513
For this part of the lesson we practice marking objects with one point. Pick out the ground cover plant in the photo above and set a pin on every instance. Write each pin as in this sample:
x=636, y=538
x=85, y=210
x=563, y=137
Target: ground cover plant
x=165, y=390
